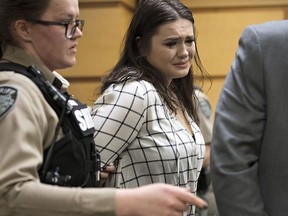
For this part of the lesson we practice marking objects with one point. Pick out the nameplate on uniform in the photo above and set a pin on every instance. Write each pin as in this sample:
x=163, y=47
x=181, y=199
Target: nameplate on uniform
x=82, y=116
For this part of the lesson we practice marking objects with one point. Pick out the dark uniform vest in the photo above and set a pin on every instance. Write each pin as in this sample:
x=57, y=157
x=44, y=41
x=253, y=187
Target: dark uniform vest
x=73, y=160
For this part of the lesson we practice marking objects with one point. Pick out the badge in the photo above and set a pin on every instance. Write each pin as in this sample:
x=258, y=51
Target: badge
x=8, y=96
x=205, y=108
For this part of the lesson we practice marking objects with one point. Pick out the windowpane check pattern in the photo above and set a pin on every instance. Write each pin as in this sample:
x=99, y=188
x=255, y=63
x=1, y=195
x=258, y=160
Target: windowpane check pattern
x=136, y=131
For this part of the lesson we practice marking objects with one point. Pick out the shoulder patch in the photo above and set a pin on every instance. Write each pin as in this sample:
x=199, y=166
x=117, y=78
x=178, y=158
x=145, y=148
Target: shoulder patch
x=8, y=96
x=205, y=108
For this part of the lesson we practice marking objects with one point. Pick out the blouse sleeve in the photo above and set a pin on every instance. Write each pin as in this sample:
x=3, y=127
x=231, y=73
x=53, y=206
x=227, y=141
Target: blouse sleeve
x=118, y=115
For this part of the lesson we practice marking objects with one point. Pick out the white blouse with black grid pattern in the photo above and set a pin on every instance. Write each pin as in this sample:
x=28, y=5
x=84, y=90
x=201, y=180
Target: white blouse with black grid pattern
x=135, y=131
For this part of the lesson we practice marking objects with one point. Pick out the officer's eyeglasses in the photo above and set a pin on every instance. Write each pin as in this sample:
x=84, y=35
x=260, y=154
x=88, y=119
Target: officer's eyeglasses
x=70, y=26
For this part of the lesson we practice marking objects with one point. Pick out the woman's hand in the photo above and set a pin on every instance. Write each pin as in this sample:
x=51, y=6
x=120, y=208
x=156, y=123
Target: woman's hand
x=106, y=171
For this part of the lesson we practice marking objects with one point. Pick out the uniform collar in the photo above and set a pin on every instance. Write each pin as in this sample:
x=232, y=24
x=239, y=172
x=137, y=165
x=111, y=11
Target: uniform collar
x=22, y=57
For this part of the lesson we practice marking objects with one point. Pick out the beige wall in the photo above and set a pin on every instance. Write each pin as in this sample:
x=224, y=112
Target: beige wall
x=106, y=22
x=219, y=25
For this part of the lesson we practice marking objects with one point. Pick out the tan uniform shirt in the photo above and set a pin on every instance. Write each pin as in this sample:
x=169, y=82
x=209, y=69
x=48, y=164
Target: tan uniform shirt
x=27, y=126
x=205, y=115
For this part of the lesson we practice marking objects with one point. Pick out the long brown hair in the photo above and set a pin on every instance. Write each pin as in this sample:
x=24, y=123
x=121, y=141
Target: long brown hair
x=132, y=65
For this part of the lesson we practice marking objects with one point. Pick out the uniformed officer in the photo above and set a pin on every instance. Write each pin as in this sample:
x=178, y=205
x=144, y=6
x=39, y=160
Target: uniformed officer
x=44, y=33
x=204, y=188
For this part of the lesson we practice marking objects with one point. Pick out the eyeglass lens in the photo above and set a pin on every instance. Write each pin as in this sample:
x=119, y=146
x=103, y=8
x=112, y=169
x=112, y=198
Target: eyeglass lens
x=71, y=28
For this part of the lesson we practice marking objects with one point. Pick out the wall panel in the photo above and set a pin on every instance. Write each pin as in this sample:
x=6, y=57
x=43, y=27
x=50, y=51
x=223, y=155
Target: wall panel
x=218, y=32
x=106, y=23
x=219, y=25
x=233, y=3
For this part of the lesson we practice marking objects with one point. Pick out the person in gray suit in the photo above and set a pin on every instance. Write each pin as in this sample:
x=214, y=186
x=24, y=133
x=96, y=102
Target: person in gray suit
x=250, y=135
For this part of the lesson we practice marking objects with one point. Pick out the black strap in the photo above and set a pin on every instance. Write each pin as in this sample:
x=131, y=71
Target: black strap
x=59, y=102
x=46, y=89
